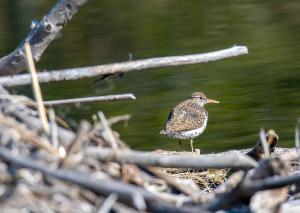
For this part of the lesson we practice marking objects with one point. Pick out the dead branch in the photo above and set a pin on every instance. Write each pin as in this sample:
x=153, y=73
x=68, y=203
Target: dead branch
x=92, y=71
x=106, y=98
x=233, y=160
x=41, y=35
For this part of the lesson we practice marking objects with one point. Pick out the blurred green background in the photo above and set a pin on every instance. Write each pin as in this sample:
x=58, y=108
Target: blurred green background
x=256, y=90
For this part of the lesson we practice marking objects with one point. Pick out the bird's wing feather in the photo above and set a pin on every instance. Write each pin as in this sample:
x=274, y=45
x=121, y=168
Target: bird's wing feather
x=185, y=116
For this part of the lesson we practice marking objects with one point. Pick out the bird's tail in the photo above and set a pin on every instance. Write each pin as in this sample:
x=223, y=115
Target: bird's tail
x=162, y=132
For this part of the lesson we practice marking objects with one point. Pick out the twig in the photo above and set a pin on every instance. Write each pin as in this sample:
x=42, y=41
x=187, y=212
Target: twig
x=115, y=119
x=85, y=72
x=108, y=203
x=265, y=144
x=36, y=88
x=41, y=35
x=53, y=128
x=107, y=132
x=232, y=160
x=91, y=99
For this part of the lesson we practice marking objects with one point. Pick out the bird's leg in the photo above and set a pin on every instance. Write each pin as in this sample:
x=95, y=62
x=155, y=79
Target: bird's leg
x=180, y=143
x=192, y=145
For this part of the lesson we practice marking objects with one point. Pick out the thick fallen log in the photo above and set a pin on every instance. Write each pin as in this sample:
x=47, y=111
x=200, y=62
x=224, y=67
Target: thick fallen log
x=232, y=160
x=92, y=71
x=41, y=35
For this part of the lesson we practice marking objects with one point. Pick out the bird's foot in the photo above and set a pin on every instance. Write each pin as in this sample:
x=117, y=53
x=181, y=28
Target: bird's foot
x=192, y=145
x=197, y=151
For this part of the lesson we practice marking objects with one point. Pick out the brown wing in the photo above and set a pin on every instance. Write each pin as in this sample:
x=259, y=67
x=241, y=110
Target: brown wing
x=185, y=116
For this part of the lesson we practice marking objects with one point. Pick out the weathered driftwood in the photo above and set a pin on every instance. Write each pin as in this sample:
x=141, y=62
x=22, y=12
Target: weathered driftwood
x=28, y=135
x=29, y=117
x=85, y=72
x=232, y=160
x=41, y=35
x=269, y=174
x=128, y=194
x=93, y=99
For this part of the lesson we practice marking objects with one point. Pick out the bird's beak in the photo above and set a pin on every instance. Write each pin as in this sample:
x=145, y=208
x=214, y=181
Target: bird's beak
x=212, y=101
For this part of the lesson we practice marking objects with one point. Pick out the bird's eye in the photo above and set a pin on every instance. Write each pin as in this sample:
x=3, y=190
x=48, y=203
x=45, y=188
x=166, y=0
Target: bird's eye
x=202, y=98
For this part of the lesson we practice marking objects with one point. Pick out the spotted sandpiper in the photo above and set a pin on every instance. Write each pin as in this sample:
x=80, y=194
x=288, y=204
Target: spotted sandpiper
x=188, y=119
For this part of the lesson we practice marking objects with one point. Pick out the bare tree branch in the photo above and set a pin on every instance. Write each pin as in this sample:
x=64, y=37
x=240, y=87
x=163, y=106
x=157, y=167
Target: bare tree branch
x=41, y=35
x=90, y=99
x=231, y=160
x=92, y=71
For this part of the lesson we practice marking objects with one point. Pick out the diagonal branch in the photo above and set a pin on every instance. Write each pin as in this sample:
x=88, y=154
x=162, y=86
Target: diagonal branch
x=92, y=71
x=40, y=36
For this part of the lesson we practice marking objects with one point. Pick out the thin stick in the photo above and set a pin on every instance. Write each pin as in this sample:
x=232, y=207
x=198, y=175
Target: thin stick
x=91, y=99
x=115, y=119
x=36, y=88
x=108, y=203
x=264, y=143
x=53, y=125
x=88, y=72
x=107, y=132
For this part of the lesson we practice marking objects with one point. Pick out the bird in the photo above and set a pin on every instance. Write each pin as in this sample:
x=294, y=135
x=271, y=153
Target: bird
x=257, y=153
x=188, y=119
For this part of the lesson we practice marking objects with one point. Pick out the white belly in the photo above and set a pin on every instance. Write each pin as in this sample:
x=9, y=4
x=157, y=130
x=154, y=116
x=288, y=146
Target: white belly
x=187, y=135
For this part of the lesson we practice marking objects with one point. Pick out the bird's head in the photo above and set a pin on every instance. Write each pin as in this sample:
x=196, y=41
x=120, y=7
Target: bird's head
x=202, y=98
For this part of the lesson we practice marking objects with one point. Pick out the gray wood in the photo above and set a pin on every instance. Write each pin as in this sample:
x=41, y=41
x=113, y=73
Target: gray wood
x=92, y=71
x=231, y=160
x=94, y=99
x=40, y=36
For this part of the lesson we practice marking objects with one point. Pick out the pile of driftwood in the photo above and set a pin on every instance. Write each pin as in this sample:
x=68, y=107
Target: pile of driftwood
x=92, y=170
x=47, y=167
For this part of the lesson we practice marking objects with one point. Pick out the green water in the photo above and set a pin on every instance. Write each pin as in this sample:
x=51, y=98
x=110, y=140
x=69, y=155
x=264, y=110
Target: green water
x=256, y=90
